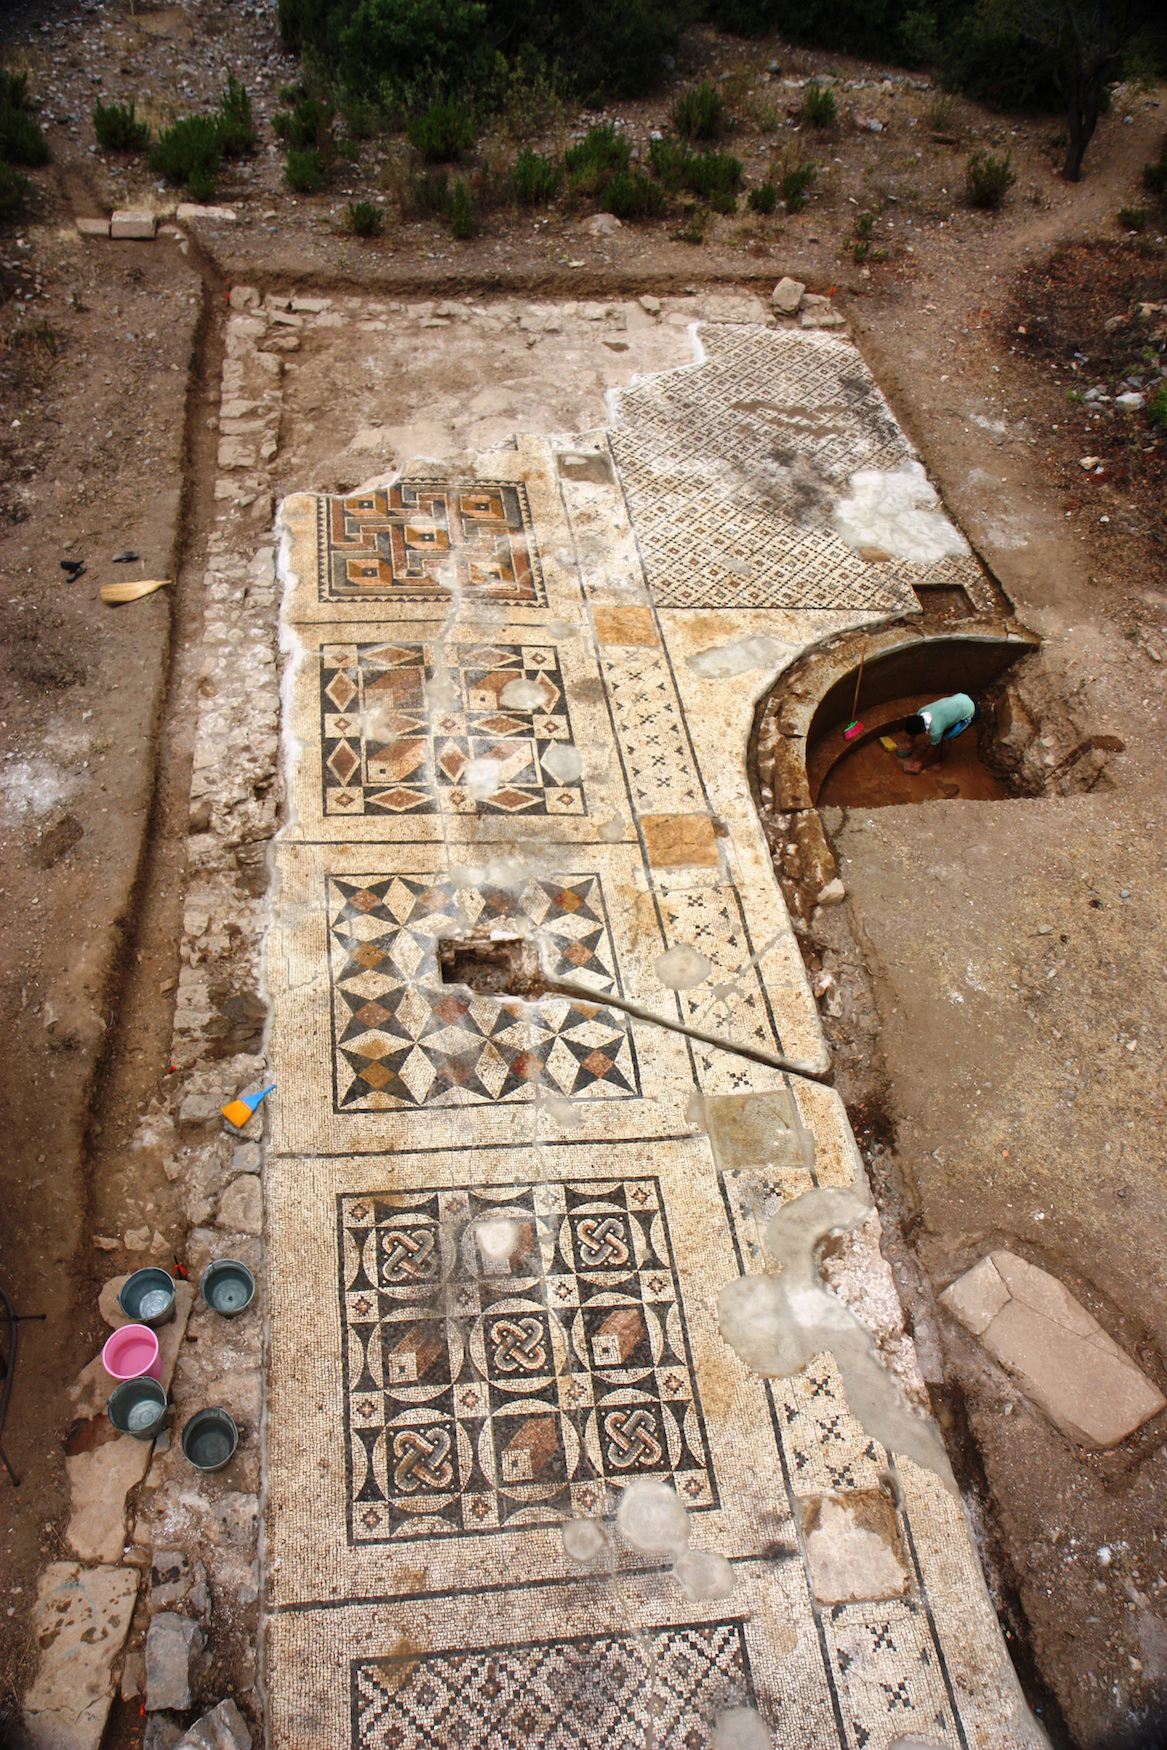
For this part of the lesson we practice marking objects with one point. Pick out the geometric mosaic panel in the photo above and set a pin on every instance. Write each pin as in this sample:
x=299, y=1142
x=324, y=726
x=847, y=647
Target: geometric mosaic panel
x=666, y=1687
x=459, y=729
x=430, y=541
x=731, y=470
x=401, y=1037
x=510, y=1354
x=662, y=775
x=732, y=1001
x=890, y=1679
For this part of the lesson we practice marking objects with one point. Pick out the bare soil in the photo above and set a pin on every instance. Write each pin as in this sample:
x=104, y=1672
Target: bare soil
x=1020, y=934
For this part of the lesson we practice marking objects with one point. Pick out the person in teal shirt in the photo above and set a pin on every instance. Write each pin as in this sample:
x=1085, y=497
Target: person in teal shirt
x=927, y=730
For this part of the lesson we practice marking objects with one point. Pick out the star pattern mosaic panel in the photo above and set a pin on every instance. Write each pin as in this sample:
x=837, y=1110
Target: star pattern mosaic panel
x=731, y=470
x=510, y=1354
x=659, y=763
x=401, y=1037
x=411, y=728
x=619, y=1691
x=430, y=541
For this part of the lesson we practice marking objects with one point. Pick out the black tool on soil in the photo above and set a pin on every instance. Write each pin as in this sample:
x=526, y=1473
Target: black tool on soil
x=73, y=569
x=507, y=966
x=126, y=558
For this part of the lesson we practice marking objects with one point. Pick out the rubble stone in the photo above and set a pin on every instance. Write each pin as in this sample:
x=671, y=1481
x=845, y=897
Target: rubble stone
x=172, y=1644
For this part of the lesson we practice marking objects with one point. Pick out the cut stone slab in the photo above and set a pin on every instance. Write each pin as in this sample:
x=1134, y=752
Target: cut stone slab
x=93, y=227
x=1060, y=1356
x=172, y=1644
x=191, y=210
x=135, y=223
x=104, y=1465
x=81, y=1620
x=224, y=1728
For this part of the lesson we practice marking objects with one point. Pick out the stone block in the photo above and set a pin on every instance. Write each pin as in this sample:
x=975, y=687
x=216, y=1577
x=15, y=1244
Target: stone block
x=93, y=227
x=188, y=210
x=787, y=296
x=133, y=223
x=224, y=1728
x=676, y=841
x=80, y=1621
x=1060, y=1356
x=241, y=1206
x=172, y=1645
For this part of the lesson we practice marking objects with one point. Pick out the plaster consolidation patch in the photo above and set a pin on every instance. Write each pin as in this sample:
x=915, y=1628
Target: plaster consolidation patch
x=519, y=1478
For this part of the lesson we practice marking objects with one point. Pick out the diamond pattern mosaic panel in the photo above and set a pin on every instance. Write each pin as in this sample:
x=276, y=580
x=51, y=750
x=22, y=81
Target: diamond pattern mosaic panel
x=403, y=1038
x=411, y=728
x=509, y=1354
x=731, y=470
x=621, y=1691
x=430, y=541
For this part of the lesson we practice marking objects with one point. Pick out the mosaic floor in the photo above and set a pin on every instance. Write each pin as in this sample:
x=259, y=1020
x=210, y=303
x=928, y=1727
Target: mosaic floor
x=497, y=1230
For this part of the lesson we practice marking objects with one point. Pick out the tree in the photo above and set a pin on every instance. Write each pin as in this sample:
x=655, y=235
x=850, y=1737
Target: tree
x=1086, y=42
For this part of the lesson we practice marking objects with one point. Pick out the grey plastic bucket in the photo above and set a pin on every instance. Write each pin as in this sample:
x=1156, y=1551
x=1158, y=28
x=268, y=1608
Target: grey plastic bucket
x=228, y=1287
x=147, y=1297
x=209, y=1439
x=137, y=1407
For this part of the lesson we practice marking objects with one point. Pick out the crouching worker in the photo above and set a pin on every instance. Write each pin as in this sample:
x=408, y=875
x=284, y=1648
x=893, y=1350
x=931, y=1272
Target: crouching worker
x=929, y=729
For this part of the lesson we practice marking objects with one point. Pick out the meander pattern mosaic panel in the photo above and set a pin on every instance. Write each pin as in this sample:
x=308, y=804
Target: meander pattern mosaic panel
x=401, y=1037
x=430, y=541
x=731, y=469
x=621, y=1691
x=468, y=728
x=510, y=1354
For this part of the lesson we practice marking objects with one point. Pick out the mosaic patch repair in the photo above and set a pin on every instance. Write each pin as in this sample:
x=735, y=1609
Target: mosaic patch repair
x=498, y=1310
x=508, y=1355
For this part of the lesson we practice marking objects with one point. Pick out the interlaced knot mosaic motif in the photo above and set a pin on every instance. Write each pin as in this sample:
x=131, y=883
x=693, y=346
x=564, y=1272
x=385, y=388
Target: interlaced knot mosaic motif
x=462, y=729
x=430, y=541
x=403, y=1038
x=789, y=423
x=510, y=1354
x=619, y=1691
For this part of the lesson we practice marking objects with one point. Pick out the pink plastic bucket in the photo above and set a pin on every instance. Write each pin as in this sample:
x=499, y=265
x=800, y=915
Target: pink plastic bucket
x=131, y=1352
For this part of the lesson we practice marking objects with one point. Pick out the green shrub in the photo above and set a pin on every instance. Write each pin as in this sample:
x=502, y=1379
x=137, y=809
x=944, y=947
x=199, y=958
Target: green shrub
x=1155, y=177
x=21, y=141
x=1157, y=407
x=429, y=195
x=989, y=178
x=632, y=196
x=304, y=170
x=443, y=132
x=818, y=105
x=237, y=135
x=361, y=118
x=762, y=199
x=699, y=114
x=535, y=178
x=13, y=89
x=188, y=153
x=990, y=59
x=118, y=128
x=365, y=219
x=461, y=211
x=668, y=159
x=1134, y=218
x=13, y=188
x=306, y=125
x=795, y=186
x=716, y=177
x=592, y=161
